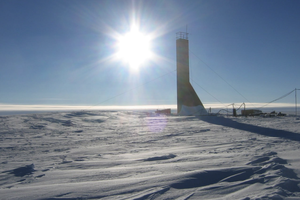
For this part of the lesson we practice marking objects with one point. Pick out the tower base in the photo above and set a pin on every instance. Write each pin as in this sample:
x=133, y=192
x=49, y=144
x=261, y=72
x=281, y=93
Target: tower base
x=192, y=110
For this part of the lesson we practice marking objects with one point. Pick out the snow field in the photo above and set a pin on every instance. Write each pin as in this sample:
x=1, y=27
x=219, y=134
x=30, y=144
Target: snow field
x=137, y=155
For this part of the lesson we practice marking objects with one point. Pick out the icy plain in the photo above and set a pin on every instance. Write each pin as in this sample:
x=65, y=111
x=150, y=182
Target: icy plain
x=137, y=155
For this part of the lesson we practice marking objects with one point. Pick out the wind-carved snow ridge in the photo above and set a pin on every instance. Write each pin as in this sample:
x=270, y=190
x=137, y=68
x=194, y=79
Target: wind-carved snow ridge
x=266, y=178
x=276, y=175
x=165, y=157
x=137, y=155
x=269, y=173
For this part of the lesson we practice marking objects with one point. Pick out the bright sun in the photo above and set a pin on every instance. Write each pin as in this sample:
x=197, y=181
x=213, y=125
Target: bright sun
x=134, y=48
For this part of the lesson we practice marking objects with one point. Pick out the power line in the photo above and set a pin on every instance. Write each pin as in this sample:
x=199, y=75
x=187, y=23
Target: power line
x=208, y=92
x=277, y=99
x=193, y=81
x=220, y=77
x=243, y=95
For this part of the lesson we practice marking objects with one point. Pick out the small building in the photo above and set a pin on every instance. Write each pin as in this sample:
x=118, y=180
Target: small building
x=251, y=112
x=164, y=111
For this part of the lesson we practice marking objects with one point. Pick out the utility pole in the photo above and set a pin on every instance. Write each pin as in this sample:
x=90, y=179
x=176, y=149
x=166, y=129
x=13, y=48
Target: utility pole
x=296, y=101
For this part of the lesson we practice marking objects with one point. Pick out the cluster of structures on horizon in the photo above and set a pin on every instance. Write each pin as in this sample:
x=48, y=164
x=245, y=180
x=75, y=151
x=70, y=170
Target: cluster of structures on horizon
x=253, y=112
x=245, y=113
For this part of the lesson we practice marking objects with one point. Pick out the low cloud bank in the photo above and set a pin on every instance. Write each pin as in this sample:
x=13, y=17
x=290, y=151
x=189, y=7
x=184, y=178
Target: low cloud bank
x=13, y=107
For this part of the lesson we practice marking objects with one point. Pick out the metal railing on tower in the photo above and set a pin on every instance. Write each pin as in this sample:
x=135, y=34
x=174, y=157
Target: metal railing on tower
x=182, y=35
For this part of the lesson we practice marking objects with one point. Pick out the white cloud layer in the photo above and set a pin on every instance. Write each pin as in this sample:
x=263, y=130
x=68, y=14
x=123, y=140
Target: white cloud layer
x=14, y=107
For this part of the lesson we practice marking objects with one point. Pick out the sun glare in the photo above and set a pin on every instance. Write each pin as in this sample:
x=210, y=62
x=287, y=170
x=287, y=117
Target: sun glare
x=134, y=48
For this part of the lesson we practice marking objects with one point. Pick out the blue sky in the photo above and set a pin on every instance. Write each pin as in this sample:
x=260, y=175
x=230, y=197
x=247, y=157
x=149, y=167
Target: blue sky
x=59, y=52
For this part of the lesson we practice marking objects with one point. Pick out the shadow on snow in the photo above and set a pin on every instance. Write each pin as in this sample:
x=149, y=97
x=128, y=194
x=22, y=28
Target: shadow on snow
x=251, y=128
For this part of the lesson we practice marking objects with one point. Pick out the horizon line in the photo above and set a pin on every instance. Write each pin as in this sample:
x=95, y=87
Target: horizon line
x=42, y=107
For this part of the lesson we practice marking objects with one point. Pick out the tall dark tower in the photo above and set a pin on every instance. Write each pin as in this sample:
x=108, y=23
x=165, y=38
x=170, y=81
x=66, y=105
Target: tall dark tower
x=188, y=102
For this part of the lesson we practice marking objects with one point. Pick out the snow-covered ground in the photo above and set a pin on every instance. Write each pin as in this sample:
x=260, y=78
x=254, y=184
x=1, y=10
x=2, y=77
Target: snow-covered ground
x=135, y=155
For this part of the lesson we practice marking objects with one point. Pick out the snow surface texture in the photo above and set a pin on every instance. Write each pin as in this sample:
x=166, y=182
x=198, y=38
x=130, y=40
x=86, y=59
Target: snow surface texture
x=134, y=155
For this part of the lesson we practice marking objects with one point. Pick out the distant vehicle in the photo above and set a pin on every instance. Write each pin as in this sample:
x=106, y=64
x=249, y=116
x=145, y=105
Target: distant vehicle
x=281, y=114
x=251, y=112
